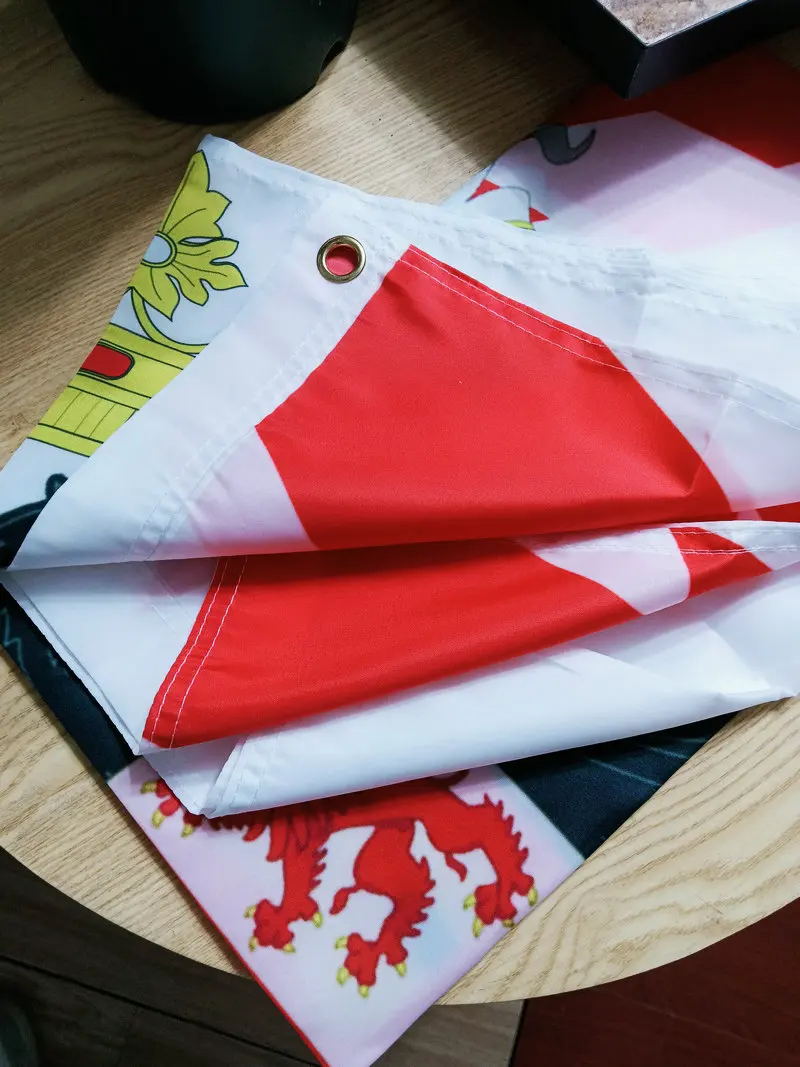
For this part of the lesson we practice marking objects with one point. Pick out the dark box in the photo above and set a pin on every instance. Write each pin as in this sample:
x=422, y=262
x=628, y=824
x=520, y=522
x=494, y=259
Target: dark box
x=636, y=45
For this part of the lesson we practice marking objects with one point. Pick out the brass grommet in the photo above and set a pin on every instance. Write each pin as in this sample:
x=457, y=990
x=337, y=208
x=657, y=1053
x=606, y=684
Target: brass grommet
x=342, y=241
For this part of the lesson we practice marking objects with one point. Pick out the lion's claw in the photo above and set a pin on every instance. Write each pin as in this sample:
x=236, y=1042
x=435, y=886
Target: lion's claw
x=490, y=907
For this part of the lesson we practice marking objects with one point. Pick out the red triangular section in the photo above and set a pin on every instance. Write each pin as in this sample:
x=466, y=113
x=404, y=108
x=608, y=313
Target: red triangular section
x=449, y=412
x=781, y=513
x=714, y=561
x=282, y=637
x=485, y=187
x=536, y=216
x=750, y=101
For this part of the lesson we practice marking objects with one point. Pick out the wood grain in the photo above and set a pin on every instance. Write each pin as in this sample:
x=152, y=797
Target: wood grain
x=428, y=92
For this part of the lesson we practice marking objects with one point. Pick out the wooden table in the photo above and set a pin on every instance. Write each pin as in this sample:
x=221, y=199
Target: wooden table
x=428, y=92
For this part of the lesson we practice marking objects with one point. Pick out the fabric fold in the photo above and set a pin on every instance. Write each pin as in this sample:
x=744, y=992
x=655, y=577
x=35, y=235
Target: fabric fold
x=470, y=383
x=427, y=488
x=315, y=548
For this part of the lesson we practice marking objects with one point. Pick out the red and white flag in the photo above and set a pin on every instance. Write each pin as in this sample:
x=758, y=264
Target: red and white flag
x=455, y=510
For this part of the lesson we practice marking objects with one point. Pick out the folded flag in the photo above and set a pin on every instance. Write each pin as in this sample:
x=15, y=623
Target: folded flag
x=353, y=491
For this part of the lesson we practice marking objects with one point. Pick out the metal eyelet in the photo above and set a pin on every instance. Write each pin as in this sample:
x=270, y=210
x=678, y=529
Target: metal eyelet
x=342, y=241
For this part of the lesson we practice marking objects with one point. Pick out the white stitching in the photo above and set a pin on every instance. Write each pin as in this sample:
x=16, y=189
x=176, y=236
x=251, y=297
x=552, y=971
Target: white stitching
x=217, y=456
x=208, y=650
x=580, y=335
x=628, y=549
x=243, y=768
x=530, y=333
x=180, y=498
x=297, y=182
x=188, y=650
x=618, y=367
x=292, y=364
x=522, y=309
x=287, y=367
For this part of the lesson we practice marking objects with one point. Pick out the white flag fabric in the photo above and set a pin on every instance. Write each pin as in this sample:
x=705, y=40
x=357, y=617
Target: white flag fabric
x=502, y=492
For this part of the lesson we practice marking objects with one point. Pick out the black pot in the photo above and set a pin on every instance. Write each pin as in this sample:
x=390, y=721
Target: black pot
x=206, y=60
